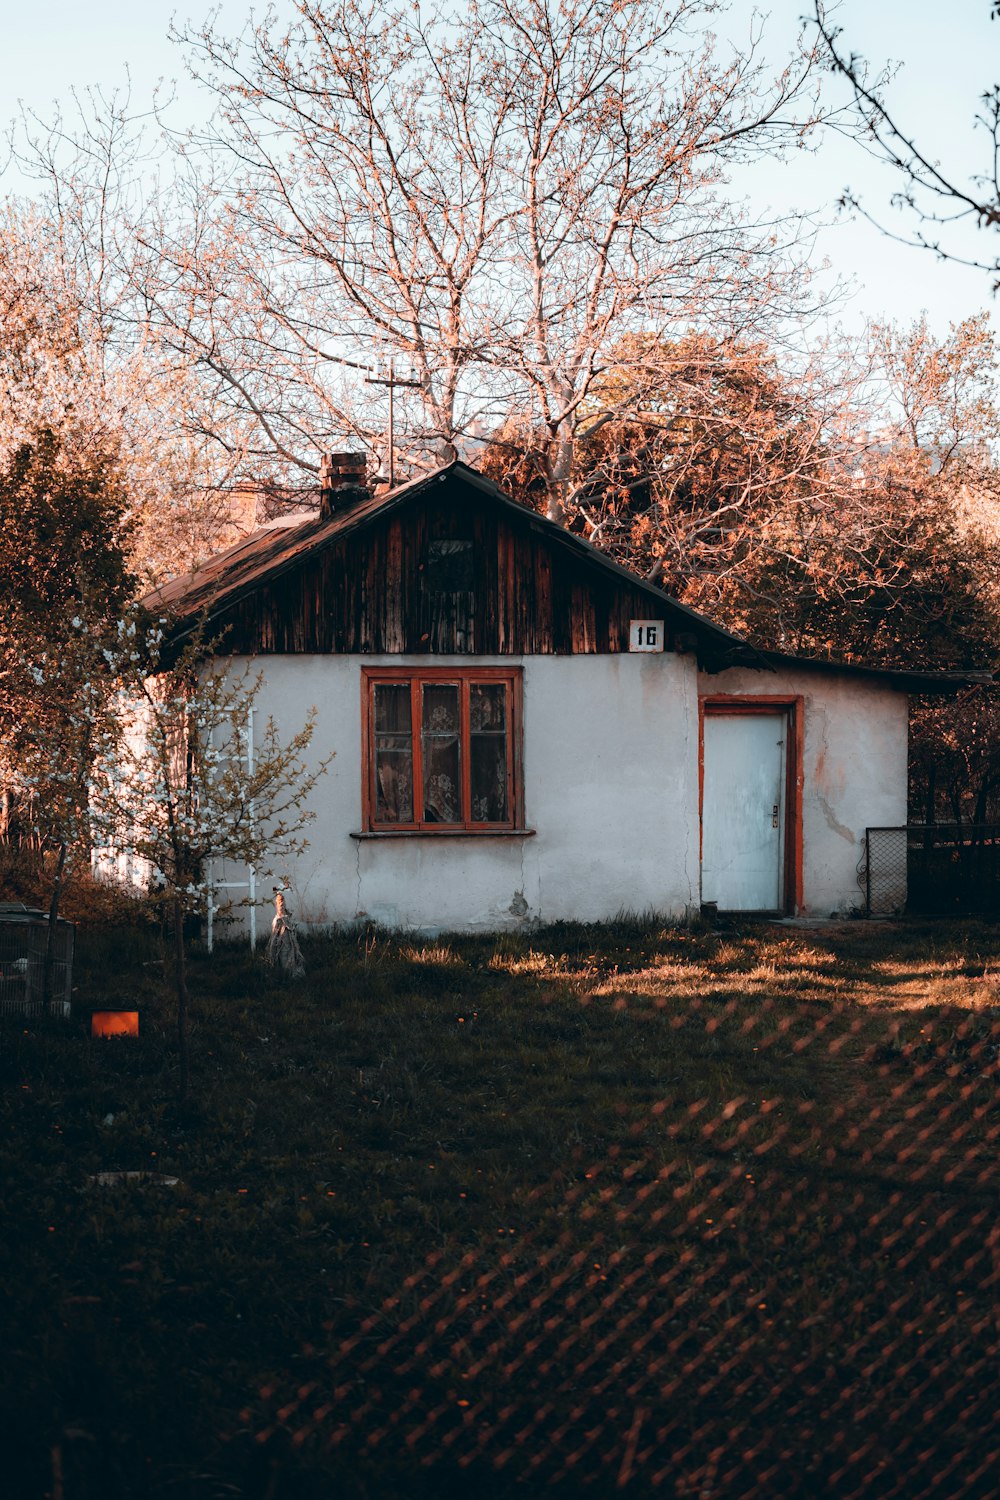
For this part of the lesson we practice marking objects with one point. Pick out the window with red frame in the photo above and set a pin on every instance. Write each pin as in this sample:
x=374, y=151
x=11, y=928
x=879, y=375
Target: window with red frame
x=442, y=751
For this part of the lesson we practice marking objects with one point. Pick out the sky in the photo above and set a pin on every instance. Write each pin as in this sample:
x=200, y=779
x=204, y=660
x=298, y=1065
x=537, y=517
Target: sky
x=947, y=60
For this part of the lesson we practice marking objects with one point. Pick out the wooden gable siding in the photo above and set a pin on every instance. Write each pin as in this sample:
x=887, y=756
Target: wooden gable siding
x=368, y=593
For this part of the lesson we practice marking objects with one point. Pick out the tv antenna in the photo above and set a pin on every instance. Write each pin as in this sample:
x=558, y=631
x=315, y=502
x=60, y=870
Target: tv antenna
x=392, y=380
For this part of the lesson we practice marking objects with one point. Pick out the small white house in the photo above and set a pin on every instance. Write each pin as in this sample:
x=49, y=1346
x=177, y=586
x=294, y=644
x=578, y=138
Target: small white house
x=525, y=731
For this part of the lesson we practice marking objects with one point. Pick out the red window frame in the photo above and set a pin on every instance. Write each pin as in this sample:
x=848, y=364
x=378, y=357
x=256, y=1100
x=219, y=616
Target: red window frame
x=463, y=678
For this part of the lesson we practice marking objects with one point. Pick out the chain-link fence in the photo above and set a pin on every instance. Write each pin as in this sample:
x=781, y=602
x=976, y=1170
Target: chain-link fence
x=932, y=868
x=787, y=1293
x=24, y=938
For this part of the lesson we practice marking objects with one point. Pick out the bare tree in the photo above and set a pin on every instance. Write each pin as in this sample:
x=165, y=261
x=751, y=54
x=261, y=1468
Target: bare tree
x=78, y=356
x=941, y=393
x=494, y=199
x=358, y=154
x=938, y=197
x=627, y=120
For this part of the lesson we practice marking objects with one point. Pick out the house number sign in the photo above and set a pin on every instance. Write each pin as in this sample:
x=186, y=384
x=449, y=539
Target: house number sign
x=646, y=635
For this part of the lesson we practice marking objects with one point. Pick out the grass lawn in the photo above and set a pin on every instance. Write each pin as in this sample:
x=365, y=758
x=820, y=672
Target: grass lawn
x=589, y=1210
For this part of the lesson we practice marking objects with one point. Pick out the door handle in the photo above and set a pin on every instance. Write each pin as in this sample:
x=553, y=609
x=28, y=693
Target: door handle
x=774, y=816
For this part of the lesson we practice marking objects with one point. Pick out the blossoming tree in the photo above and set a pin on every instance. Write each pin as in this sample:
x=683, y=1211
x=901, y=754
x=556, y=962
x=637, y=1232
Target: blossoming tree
x=175, y=789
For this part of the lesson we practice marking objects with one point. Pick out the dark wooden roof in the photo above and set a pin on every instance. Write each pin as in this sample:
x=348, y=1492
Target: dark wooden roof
x=276, y=589
x=218, y=590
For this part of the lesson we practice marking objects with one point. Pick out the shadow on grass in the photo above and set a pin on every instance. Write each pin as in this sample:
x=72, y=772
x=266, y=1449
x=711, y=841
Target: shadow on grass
x=607, y=1208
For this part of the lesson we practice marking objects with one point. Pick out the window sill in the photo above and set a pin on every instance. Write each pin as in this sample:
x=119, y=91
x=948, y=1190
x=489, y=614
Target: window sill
x=446, y=833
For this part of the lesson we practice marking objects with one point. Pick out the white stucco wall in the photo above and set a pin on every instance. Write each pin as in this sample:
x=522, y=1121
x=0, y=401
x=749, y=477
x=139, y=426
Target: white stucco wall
x=854, y=771
x=611, y=792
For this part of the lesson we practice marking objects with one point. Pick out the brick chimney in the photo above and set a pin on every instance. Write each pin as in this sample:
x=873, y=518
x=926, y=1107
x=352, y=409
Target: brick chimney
x=343, y=479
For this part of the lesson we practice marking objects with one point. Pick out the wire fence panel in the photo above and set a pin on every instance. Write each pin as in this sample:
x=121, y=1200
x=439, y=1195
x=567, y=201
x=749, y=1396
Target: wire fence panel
x=754, y=1295
x=24, y=936
x=886, y=871
x=933, y=868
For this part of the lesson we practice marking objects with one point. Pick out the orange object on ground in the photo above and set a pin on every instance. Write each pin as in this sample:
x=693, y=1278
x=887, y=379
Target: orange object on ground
x=114, y=1023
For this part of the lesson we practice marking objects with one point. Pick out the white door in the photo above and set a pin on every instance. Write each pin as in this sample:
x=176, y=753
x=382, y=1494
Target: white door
x=743, y=811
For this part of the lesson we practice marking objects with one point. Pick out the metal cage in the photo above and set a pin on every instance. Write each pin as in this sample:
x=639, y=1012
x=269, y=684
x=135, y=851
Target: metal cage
x=24, y=935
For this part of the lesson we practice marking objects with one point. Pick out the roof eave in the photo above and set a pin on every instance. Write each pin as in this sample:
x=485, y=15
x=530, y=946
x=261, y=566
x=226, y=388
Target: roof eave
x=904, y=679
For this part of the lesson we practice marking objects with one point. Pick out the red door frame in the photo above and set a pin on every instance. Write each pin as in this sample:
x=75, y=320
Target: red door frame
x=792, y=705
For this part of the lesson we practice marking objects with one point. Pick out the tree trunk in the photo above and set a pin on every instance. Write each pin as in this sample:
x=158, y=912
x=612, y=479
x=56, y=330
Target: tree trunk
x=560, y=470
x=180, y=984
x=982, y=799
x=50, y=937
x=930, y=807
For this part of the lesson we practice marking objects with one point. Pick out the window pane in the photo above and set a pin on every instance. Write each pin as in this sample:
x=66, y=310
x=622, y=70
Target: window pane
x=488, y=751
x=392, y=708
x=393, y=754
x=441, y=754
x=487, y=706
x=489, y=778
